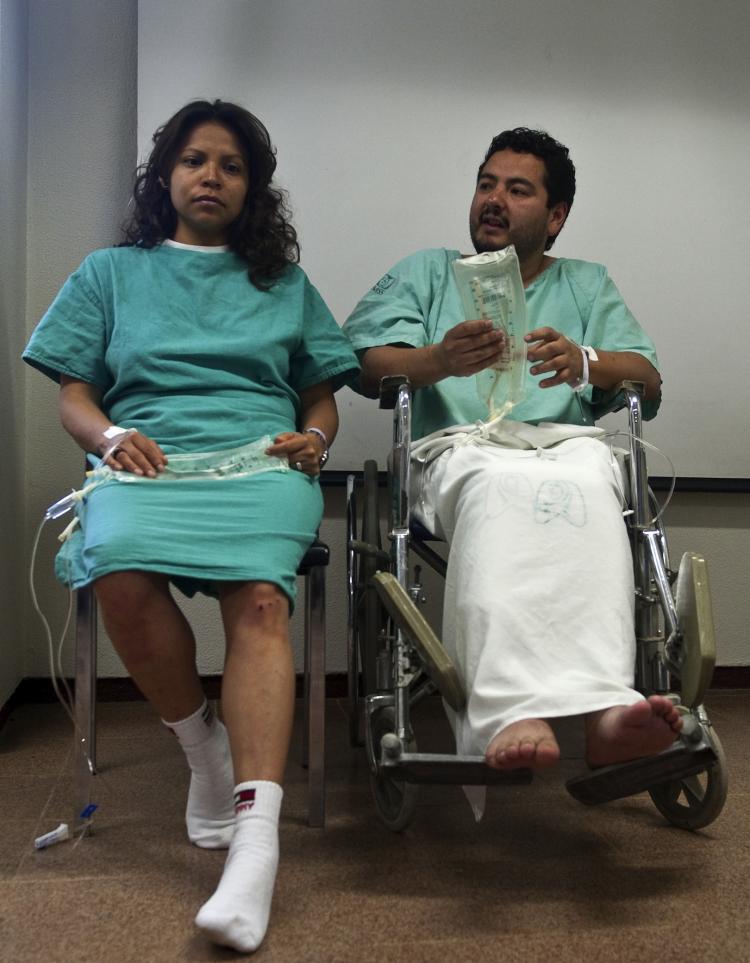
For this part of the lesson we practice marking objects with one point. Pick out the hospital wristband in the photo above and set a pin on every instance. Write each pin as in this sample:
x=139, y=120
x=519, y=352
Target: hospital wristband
x=588, y=354
x=321, y=434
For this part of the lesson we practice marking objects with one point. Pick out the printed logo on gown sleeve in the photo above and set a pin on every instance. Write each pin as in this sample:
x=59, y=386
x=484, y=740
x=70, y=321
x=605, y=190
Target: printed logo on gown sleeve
x=387, y=281
x=244, y=800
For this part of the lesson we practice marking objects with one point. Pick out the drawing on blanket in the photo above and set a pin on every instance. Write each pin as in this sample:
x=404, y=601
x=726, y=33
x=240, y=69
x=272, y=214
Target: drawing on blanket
x=552, y=499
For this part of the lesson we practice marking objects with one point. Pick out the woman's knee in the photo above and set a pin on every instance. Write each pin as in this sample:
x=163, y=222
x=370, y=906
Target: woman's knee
x=255, y=605
x=130, y=595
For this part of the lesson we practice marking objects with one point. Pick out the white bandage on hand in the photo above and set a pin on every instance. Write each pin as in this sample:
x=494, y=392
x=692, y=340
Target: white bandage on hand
x=115, y=434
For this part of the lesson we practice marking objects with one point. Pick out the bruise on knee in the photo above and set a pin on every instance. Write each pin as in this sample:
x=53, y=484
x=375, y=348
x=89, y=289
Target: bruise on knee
x=267, y=597
x=257, y=606
x=268, y=604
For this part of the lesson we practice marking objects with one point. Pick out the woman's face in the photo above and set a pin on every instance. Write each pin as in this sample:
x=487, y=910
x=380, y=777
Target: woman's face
x=208, y=185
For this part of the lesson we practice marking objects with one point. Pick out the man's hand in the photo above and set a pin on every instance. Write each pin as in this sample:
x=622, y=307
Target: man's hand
x=553, y=353
x=469, y=347
x=135, y=453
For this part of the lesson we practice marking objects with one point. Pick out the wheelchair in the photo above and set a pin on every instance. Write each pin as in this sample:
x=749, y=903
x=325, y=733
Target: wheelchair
x=395, y=658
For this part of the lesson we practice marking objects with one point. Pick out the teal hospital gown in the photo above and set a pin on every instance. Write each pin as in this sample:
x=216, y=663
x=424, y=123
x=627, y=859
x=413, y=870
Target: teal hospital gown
x=538, y=605
x=417, y=302
x=186, y=350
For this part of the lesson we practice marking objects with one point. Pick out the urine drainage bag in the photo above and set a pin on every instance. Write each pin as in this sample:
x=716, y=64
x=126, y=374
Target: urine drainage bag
x=490, y=287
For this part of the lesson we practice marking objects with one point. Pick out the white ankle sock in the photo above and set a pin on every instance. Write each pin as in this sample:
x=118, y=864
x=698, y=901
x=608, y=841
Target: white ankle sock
x=237, y=913
x=210, y=811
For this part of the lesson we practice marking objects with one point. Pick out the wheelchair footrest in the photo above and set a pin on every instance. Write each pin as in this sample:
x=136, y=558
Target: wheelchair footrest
x=437, y=769
x=629, y=778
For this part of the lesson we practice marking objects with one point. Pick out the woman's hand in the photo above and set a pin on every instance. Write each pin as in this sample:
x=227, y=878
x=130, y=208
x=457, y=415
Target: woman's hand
x=135, y=453
x=84, y=420
x=303, y=451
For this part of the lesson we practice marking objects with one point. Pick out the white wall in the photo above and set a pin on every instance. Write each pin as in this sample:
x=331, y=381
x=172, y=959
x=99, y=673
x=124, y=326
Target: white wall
x=12, y=313
x=82, y=103
x=718, y=526
x=382, y=109
x=81, y=155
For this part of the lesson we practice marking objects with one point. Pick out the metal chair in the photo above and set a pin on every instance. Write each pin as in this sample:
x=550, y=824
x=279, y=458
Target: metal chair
x=312, y=569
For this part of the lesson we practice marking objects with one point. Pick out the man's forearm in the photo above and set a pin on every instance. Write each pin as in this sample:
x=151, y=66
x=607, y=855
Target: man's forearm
x=422, y=366
x=616, y=366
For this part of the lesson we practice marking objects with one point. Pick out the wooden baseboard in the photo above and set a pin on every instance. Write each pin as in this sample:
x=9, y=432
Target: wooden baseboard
x=39, y=690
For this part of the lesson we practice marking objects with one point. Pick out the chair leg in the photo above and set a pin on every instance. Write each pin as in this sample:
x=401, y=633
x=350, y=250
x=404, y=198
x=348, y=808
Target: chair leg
x=84, y=761
x=315, y=677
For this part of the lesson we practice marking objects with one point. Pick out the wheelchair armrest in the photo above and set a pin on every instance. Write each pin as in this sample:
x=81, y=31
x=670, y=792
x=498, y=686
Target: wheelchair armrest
x=616, y=398
x=389, y=389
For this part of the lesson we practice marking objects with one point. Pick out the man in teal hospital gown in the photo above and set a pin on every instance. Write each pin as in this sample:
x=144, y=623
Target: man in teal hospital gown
x=539, y=594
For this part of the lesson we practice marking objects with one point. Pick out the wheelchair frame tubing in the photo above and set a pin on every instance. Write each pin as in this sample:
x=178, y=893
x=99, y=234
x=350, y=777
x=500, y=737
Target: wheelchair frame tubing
x=399, y=538
x=647, y=562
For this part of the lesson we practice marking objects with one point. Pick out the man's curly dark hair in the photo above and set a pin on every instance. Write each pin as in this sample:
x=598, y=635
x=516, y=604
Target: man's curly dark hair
x=560, y=173
x=262, y=235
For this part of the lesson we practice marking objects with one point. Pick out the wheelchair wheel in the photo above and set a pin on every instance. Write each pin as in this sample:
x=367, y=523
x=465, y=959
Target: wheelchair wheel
x=696, y=801
x=395, y=799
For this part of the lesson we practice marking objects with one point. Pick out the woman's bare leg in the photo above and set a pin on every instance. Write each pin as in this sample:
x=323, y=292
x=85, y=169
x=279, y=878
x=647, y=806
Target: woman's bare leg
x=258, y=688
x=157, y=646
x=153, y=639
x=258, y=703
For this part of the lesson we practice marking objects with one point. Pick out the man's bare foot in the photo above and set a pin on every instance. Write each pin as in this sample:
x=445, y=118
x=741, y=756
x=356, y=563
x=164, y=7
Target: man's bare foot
x=622, y=733
x=527, y=744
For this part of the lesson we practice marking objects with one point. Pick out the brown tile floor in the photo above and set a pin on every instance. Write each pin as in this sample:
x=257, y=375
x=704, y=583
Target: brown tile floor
x=539, y=878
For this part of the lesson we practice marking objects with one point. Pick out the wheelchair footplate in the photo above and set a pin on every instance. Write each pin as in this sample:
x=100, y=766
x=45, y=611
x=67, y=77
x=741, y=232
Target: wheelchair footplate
x=397, y=761
x=436, y=769
x=430, y=768
x=682, y=759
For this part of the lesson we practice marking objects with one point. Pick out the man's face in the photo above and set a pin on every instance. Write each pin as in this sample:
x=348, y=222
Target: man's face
x=510, y=206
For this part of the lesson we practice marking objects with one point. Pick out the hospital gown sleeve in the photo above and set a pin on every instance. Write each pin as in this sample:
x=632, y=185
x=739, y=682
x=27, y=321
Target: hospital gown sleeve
x=324, y=353
x=71, y=338
x=396, y=310
x=612, y=326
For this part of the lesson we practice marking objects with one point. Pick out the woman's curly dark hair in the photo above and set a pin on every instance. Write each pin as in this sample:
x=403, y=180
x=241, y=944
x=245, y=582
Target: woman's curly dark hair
x=262, y=235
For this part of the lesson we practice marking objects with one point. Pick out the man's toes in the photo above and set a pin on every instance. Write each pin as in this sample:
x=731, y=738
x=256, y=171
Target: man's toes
x=665, y=709
x=639, y=713
x=547, y=754
x=496, y=759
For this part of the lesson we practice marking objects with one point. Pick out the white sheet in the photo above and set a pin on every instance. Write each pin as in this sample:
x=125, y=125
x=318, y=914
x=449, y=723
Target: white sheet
x=538, y=609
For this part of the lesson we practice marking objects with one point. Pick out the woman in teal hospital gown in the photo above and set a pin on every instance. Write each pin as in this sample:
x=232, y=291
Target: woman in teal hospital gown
x=201, y=362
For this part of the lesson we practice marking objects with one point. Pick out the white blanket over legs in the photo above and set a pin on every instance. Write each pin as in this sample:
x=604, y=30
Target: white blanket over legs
x=538, y=609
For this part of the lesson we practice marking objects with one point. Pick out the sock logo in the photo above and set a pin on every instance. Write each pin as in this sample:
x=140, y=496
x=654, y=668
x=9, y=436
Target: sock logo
x=244, y=800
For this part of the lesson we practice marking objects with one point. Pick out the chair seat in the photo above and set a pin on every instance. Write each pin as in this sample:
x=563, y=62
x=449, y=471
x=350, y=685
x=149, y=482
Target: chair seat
x=317, y=555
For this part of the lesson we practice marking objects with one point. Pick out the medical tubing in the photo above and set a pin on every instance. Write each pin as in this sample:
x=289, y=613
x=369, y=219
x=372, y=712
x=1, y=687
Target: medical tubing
x=621, y=432
x=116, y=444
x=57, y=676
x=55, y=661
